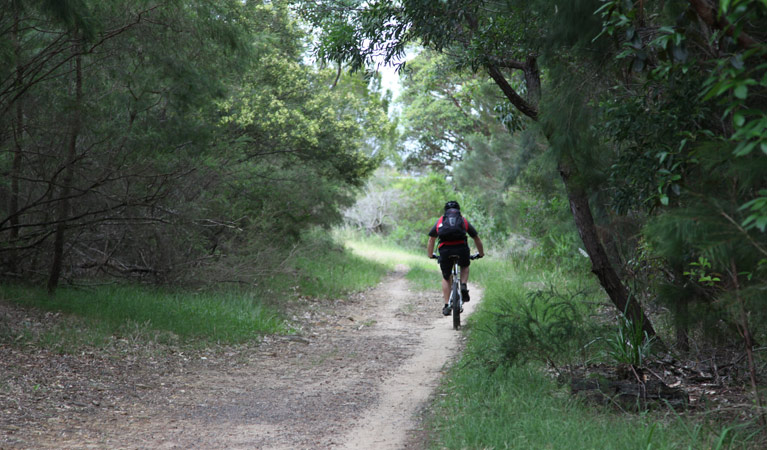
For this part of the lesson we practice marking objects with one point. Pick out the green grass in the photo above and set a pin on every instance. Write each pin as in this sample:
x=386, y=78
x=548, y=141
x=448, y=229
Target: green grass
x=485, y=404
x=519, y=407
x=96, y=315
x=222, y=317
x=423, y=272
x=336, y=273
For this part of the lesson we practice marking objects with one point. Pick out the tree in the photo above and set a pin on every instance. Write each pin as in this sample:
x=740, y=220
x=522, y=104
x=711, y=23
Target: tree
x=97, y=176
x=444, y=108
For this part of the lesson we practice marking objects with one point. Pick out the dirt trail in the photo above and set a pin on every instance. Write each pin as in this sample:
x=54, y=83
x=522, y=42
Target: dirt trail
x=356, y=377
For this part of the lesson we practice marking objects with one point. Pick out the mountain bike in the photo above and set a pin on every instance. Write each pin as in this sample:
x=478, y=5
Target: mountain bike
x=456, y=298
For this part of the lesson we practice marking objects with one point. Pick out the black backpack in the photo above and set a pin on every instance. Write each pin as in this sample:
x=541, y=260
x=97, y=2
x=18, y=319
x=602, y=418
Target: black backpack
x=452, y=226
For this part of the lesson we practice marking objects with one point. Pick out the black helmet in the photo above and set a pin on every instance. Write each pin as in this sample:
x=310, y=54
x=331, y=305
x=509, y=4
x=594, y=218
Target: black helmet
x=452, y=204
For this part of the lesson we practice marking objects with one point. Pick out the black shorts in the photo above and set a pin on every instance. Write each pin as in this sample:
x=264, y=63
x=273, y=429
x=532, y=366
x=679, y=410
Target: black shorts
x=444, y=261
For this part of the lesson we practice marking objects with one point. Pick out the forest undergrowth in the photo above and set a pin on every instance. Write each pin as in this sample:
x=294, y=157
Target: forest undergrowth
x=541, y=335
x=91, y=316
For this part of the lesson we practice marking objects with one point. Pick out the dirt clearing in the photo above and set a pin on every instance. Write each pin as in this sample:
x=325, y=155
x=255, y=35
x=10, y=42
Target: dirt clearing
x=358, y=375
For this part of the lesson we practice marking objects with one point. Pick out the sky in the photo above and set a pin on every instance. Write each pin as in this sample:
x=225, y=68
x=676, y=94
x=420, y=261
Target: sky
x=390, y=78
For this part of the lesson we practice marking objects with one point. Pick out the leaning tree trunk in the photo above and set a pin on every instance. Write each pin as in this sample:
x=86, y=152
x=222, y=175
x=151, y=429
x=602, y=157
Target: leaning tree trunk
x=600, y=263
x=579, y=204
x=64, y=206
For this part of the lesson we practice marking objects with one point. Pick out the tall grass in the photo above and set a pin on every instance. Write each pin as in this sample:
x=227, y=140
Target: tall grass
x=337, y=272
x=520, y=407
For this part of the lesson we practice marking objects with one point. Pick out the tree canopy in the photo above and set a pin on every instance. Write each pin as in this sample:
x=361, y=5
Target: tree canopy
x=153, y=140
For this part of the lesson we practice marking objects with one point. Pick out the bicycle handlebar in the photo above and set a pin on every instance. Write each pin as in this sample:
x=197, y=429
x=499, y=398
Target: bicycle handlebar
x=474, y=256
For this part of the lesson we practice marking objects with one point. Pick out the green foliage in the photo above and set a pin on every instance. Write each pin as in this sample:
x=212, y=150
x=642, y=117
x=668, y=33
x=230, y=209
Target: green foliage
x=448, y=112
x=758, y=209
x=99, y=315
x=226, y=317
x=630, y=344
x=512, y=221
x=684, y=129
x=457, y=122
x=206, y=140
x=519, y=405
x=294, y=144
x=426, y=197
x=699, y=272
x=739, y=78
x=651, y=143
x=402, y=207
x=405, y=207
x=327, y=270
x=547, y=326
x=705, y=248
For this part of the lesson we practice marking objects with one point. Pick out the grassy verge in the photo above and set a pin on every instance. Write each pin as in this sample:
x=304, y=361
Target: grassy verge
x=493, y=399
x=519, y=407
x=220, y=317
x=95, y=316
x=423, y=272
x=337, y=272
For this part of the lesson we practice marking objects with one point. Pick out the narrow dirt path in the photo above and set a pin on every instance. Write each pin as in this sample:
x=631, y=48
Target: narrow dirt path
x=356, y=376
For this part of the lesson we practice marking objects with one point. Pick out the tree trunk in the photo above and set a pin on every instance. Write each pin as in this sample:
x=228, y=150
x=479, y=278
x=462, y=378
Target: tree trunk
x=64, y=207
x=532, y=80
x=681, y=313
x=579, y=203
x=18, y=130
x=600, y=263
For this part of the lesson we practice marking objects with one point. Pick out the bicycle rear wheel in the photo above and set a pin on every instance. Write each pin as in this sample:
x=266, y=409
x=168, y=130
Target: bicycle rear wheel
x=456, y=302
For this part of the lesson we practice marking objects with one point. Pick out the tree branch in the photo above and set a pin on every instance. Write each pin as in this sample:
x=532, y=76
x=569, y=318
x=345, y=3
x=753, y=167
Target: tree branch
x=521, y=104
x=507, y=63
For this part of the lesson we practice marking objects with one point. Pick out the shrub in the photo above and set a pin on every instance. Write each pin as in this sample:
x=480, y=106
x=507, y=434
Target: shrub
x=547, y=325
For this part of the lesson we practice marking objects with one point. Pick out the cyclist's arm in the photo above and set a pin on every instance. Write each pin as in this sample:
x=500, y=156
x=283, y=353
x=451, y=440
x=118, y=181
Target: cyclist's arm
x=430, y=246
x=480, y=247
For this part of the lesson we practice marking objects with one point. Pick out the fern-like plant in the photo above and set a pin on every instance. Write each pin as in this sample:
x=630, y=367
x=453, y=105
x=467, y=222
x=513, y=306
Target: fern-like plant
x=547, y=326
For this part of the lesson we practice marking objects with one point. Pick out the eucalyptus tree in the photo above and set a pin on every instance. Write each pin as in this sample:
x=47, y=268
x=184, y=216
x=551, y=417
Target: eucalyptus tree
x=444, y=108
x=456, y=121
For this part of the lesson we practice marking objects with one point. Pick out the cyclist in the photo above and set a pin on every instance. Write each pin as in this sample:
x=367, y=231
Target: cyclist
x=452, y=229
